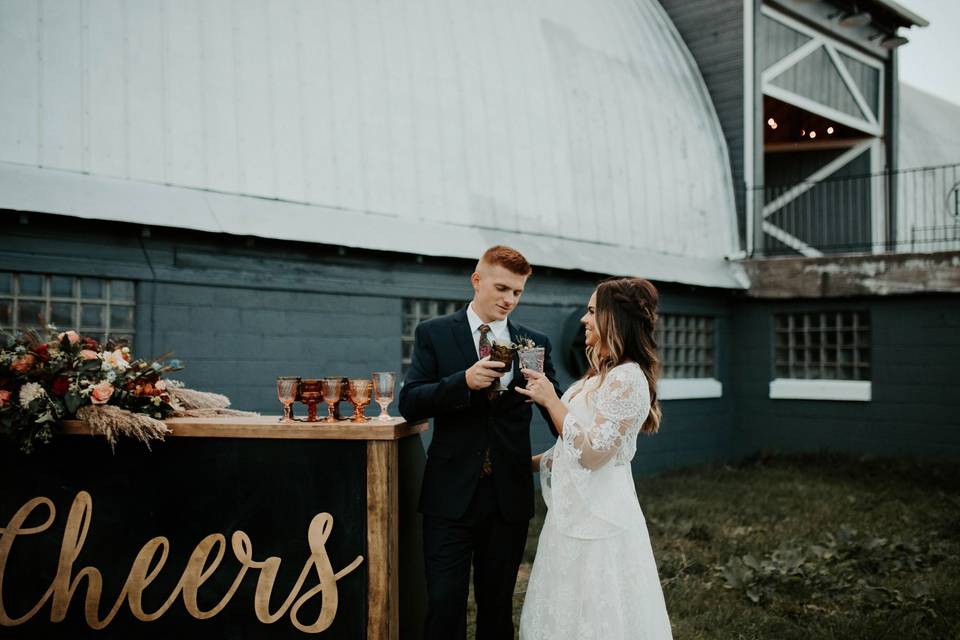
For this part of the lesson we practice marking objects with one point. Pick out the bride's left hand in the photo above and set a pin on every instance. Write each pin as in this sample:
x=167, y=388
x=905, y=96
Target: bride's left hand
x=539, y=388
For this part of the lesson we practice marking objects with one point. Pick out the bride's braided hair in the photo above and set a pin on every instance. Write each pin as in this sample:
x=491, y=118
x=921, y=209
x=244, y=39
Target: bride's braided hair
x=626, y=318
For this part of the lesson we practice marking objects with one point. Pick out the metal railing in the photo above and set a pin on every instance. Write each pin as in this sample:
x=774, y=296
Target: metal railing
x=914, y=210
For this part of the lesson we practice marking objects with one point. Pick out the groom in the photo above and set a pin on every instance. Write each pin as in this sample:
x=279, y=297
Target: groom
x=477, y=494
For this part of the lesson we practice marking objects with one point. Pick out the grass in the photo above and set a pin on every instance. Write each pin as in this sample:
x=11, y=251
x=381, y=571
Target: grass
x=804, y=547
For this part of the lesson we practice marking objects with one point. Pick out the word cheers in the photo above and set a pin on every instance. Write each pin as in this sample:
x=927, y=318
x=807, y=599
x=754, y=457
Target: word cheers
x=204, y=560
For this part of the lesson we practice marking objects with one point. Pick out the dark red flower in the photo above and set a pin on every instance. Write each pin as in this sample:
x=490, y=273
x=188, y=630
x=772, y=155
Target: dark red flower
x=90, y=343
x=42, y=351
x=60, y=386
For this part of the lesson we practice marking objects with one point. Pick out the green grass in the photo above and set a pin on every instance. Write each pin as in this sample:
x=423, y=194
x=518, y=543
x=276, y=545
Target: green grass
x=805, y=547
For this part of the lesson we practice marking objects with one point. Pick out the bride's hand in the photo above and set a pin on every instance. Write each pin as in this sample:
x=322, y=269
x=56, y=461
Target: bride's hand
x=539, y=388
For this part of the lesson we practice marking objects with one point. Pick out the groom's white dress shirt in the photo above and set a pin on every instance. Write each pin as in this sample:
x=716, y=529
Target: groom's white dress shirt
x=498, y=331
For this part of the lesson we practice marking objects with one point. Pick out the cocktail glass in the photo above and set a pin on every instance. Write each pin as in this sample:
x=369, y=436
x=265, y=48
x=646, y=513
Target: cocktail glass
x=331, y=395
x=288, y=387
x=360, y=397
x=383, y=385
x=532, y=358
x=505, y=354
x=311, y=394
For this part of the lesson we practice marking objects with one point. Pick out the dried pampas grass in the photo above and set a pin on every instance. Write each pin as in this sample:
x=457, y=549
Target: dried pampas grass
x=190, y=403
x=192, y=399
x=112, y=422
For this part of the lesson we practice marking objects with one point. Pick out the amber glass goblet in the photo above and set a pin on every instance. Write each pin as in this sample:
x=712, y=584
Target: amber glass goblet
x=311, y=393
x=288, y=389
x=331, y=395
x=383, y=384
x=360, y=397
x=505, y=354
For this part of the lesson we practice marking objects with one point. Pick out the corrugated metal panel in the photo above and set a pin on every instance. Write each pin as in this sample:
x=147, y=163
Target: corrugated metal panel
x=577, y=123
x=713, y=31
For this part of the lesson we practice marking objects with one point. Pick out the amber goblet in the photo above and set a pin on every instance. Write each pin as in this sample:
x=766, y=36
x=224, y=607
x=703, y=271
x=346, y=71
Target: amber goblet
x=331, y=395
x=311, y=393
x=360, y=397
x=288, y=390
x=502, y=353
x=383, y=384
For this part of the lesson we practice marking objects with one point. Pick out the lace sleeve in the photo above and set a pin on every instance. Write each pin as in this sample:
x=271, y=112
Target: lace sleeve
x=620, y=403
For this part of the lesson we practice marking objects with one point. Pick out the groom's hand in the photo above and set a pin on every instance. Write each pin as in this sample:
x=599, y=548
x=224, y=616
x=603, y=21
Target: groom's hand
x=482, y=374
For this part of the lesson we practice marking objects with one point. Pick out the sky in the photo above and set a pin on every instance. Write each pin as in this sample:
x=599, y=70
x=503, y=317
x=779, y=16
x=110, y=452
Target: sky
x=931, y=60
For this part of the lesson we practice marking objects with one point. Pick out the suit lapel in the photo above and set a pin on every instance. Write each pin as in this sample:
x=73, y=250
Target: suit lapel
x=463, y=336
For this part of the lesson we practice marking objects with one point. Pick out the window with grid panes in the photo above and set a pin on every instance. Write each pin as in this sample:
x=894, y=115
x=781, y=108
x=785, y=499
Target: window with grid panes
x=96, y=307
x=415, y=312
x=824, y=345
x=686, y=345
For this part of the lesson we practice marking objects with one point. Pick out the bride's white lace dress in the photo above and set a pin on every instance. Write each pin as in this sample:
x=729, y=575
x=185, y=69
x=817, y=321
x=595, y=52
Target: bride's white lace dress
x=594, y=575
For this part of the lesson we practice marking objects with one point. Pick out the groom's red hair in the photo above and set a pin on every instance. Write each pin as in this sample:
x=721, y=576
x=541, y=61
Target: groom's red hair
x=508, y=258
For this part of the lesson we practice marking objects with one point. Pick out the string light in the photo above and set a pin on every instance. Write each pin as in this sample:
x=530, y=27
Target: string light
x=829, y=129
x=813, y=134
x=772, y=123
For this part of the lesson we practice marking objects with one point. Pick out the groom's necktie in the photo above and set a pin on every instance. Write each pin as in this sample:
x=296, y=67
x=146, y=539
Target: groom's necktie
x=485, y=348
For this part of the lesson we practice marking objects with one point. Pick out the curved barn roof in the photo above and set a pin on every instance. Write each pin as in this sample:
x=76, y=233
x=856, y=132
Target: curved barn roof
x=579, y=131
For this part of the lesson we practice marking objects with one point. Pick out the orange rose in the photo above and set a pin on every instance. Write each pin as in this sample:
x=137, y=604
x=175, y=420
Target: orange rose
x=4, y=397
x=23, y=363
x=87, y=354
x=101, y=393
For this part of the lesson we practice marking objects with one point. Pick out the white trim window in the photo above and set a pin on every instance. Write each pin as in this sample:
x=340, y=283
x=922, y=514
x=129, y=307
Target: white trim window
x=414, y=312
x=687, y=345
x=822, y=355
x=96, y=307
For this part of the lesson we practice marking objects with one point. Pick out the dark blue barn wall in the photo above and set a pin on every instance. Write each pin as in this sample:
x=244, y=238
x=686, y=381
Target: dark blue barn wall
x=915, y=406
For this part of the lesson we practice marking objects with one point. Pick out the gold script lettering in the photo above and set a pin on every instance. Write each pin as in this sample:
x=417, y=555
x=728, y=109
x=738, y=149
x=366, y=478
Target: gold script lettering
x=146, y=566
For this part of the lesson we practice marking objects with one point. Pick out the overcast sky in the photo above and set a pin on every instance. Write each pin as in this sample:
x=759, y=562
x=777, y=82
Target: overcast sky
x=931, y=60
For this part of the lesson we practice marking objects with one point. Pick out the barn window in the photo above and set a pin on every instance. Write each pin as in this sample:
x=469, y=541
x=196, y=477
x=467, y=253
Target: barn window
x=96, y=307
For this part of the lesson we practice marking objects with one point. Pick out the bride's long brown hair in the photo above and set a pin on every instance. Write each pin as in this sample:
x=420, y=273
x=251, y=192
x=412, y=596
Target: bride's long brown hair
x=626, y=317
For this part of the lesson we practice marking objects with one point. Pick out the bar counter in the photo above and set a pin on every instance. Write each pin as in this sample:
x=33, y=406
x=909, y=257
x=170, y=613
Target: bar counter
x=323, y=515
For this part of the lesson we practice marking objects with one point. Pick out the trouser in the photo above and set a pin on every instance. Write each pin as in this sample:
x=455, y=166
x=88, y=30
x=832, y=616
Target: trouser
x=494, y=546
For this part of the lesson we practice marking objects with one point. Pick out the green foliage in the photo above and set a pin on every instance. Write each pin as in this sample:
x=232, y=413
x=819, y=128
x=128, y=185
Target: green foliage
x=806, y=547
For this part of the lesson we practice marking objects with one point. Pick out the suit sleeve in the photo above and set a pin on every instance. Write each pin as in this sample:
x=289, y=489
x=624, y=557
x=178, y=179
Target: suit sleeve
x=424, y=393
x=551, y=374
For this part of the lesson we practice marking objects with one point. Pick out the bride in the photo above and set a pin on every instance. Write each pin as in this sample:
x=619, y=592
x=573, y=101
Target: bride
x=594, y=575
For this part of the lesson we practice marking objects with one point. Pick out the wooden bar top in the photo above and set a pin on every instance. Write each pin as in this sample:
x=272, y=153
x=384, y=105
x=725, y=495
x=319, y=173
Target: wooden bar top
x=270, y=427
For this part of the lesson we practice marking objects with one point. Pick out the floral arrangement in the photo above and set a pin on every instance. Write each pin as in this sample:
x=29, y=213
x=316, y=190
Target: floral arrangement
x=47, y=379
x=522, y=342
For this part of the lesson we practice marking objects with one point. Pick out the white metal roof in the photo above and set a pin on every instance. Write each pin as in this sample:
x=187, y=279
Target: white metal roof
x=929, y=130
x=579, y=131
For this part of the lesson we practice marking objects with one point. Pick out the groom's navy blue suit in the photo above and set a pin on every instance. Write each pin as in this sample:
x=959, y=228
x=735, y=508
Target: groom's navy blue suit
x=466, y=517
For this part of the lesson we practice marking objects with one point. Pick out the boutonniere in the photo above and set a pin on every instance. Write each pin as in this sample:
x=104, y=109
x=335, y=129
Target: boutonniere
x=524, y=342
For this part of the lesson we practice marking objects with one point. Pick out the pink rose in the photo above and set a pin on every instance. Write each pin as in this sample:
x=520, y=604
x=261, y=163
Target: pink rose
x=4, y=397
x=23, y=363
x=72, y=336
x=101, y=393
x=87, y=354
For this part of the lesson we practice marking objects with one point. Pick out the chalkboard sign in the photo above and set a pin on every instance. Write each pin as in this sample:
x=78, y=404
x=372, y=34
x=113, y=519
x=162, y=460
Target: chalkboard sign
x=202, y=537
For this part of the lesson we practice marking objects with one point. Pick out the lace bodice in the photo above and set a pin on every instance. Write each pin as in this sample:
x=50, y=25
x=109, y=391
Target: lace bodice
x=603, y=423
x=585, y=477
